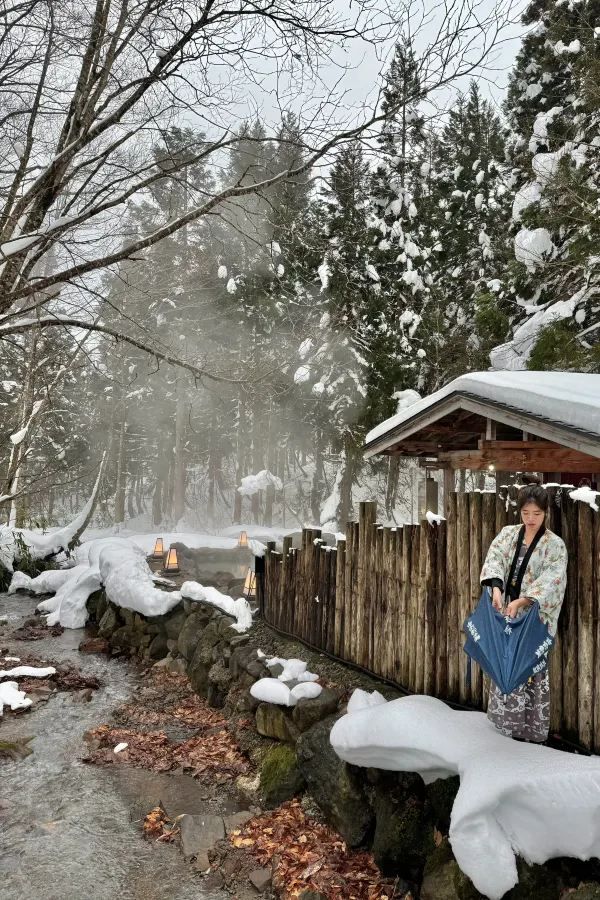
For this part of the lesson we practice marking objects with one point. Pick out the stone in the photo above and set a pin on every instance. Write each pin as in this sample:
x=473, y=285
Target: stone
x=219, y=682
x=108, y=622
x=586, y=892
x=237, y=820
x=174, y=622
x=308, y=712
x=260, y=879
x=158, y=647
x=172, y=645
x=239, y=659
x=94, y=645
x=335, y=786
x=191, y=631
x=224, y=624
x=124, y=638
x=534, y=881
x=280, y=777
x=439, y=883
x=199, y=834
x=312, y=895
x=128, y=616
x=276, y=722
x=403, y=837
x=239, y=640
x=101, y=606
x=257, y=669
x=177, y=666
x=441, y=795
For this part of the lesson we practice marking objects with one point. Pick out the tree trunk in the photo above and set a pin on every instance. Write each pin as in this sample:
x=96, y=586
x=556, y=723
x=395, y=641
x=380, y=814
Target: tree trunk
x=316, y=490
x=391, y=491
x=344, y=512
x=240, y=456
x=179, y=467
x=121, y=479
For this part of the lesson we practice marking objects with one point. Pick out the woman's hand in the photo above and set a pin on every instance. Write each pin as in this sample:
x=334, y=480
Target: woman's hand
x=497, y=599
x=515, y=605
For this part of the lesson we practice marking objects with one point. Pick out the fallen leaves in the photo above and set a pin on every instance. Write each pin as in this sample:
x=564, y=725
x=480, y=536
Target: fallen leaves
x=191, y=712
x=36, y=630
x=215, y=753
x=307, y=855
x=159, y=827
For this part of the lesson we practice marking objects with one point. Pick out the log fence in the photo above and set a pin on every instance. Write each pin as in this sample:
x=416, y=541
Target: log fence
x=393, y=600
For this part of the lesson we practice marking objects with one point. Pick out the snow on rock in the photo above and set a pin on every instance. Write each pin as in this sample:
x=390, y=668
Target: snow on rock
x=514, y=798
x=586, y=495
x=533, y=247
x=10, y=695
x=27, y=672
x=293, y=669
x=252, y=484
x=238, y=609
x=363, y=700
x=45, y=583
x=569, y=397
x=272, y=690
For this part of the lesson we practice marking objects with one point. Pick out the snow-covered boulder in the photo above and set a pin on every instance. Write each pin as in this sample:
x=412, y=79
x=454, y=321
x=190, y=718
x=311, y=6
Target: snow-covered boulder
x=514, y=798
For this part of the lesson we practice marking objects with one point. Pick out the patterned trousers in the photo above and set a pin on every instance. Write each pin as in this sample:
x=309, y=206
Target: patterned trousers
x=525, y=713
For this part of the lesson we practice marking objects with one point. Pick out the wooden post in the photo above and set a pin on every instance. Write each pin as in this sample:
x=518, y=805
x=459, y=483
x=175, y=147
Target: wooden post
x=568, y=621
x=366, y=520
x=442, y=614
x=431, y=656
x=488, y=533
x=475, y=524
x=288, y=586
x=596, y=609
x=406, y=565
x=464, y=589
x=555, y=660
x=340, y=599
x=585, y=625
x=453, y=644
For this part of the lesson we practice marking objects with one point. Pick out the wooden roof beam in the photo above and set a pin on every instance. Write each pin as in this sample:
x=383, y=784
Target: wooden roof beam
x=553, y=459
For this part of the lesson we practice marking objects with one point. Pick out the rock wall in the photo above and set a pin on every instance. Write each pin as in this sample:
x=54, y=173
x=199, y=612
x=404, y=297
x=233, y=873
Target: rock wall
x=403, y=821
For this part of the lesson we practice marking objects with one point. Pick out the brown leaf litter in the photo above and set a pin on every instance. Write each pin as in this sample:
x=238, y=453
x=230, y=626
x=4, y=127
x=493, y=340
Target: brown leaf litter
x=306, y=855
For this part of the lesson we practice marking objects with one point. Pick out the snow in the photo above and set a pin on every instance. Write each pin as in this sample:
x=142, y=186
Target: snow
x=433, y=518
x=120, y=747
x=252, y=484
x=302, y=374
x=231, y=286
x=293, y=669
x=586, y=495
x=514, y=798
x=533, y=247
x=572, y=398
x=238, y=609
x=222, y=272
x=525, y=196
x=17, y=245
x=478, y=201
x=324, y=273
x=45, y=583
x=271, y=690
x=19, y=436
x=27, y=672
x=10, y=695
x=540, y=127
x=514, y=354
x=305, y=348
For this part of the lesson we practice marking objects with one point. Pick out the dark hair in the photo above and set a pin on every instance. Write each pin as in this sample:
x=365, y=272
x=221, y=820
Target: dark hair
x=532, y=492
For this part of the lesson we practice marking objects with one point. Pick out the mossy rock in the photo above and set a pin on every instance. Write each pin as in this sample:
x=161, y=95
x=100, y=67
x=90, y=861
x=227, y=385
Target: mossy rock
x=280, y=777
x=108, y=622
x=439, y=882
x=534, y=881
x=403, y=836
x=94, y=602
x=586, y=892
x=441, y=795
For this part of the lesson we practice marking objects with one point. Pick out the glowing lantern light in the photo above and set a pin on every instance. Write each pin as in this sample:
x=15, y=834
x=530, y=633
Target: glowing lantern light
x=172, y=563
x=159, y=549
x=243, y=539
x=249, y=589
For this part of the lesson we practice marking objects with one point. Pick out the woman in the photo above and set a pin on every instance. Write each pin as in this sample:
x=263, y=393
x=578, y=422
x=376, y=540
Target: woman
x=526, y=563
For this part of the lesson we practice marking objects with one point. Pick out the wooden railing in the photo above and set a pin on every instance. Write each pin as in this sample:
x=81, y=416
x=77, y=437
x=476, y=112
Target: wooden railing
x=394, y=600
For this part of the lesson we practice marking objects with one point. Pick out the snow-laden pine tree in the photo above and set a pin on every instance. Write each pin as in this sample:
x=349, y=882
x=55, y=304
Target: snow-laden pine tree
x=468, y=212
x=553, y=108
x=399, y=263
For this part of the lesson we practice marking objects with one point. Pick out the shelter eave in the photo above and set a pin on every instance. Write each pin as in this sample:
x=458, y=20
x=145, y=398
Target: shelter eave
x=405, y=437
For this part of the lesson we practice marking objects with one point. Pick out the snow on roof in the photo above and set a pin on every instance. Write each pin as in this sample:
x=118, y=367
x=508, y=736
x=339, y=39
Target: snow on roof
x=570, y=398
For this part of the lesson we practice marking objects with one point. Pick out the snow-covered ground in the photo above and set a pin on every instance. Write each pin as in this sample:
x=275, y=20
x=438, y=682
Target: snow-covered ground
x=514, y=798
x=226, y=539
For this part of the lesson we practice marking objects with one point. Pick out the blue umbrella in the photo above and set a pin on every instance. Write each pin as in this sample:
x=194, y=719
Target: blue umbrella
x=508, y=650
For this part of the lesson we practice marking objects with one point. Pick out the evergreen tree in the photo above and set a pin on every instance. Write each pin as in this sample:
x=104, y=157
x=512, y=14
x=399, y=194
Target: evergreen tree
x=552, y=105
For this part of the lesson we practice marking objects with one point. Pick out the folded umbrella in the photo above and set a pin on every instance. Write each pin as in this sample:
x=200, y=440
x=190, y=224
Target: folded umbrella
x=508, y=650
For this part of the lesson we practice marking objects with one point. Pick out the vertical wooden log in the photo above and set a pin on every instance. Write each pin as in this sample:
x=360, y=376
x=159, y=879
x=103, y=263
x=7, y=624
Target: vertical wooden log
x=442, y=614
x=376, y=605
x=555, y=659
x=366, y=520
x=431, y=660
x=488, y=533
x=453, y=638
x=596, y=556
x=288, y=596
x=340, y=599
x=464, y=589
x=475, y=528
x=348, y=599
x=385, y=644
x=568, y=621
x=420, y=637
x=355, y=598
x=585, y=625
x=398, y=599
x=406, y=565
x=413, y=606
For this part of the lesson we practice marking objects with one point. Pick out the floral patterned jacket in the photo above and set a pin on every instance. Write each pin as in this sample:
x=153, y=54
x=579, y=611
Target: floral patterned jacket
x=546, y=577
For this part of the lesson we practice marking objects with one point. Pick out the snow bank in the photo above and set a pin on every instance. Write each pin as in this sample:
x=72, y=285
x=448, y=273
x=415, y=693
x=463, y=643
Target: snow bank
x=10, y=695
x=239, y=609
x=45, y=583
x=569, y=397
x=514, y=798
x=27, y=672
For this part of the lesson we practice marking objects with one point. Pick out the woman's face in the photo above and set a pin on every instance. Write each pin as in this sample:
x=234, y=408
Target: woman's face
x=532, y=516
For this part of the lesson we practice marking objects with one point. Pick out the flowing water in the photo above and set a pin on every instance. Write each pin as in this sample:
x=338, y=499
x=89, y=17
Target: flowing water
x=71, y=831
